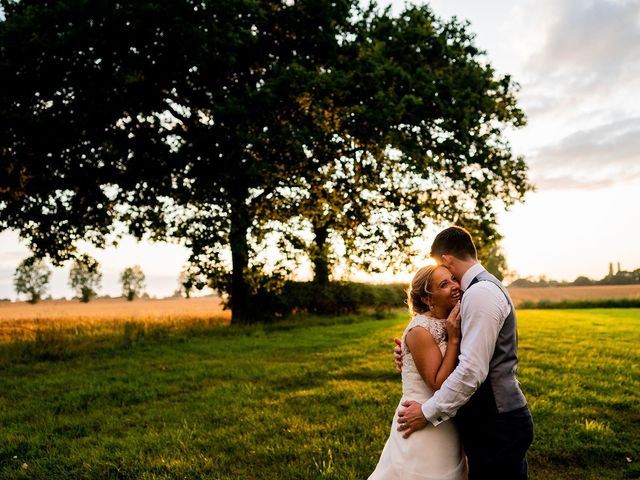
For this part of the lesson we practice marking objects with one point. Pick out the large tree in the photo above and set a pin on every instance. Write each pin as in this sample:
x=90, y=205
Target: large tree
x=225, y=124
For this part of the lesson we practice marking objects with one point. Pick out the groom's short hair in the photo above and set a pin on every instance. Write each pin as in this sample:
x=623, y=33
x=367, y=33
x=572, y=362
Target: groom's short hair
x=454, y=241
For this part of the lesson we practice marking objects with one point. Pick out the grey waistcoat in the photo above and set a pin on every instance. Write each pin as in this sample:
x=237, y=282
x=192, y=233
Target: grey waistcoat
x=500, y=392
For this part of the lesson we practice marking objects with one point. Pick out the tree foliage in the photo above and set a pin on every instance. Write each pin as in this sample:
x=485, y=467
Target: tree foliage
x=133, y=282
x=85, y=277
x=409, y=129
x=31, y=278
x=232, y=126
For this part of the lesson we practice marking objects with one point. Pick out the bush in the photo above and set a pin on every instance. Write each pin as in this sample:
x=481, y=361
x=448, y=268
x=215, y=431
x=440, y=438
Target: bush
x=334, y=298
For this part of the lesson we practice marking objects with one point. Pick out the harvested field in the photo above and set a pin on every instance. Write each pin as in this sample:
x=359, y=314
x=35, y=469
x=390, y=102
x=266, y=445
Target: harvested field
x=593, y=292
x=21, y=319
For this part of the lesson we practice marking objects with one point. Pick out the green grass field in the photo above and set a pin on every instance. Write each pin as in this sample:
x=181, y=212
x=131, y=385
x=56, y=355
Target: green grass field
x=296, y=400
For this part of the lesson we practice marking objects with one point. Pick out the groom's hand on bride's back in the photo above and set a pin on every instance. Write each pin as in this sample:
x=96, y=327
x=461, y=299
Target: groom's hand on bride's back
x=397, y=354
x=411, y=419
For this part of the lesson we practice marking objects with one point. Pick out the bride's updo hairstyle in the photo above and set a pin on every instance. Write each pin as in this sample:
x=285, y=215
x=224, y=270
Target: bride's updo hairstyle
x=420, y=288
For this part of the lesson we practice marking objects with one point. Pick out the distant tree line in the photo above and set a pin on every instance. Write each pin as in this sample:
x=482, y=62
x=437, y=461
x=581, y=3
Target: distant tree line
x=619, y=277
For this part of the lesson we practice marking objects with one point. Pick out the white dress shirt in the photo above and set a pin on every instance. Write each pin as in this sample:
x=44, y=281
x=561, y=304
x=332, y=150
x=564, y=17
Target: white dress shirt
x=484, y=309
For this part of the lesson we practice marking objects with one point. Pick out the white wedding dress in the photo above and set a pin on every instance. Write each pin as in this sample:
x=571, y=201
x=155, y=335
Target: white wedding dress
x=433, y=453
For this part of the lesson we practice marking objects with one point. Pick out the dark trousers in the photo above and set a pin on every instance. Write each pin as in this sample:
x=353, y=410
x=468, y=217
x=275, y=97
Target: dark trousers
x=496, y=443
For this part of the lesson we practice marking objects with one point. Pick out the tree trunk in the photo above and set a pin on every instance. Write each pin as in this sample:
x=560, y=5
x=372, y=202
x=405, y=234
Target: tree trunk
x=320, y=256
x=240, y=311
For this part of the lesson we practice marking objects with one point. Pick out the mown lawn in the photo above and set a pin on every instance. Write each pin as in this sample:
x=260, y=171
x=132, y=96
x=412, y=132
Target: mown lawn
x=298, y=401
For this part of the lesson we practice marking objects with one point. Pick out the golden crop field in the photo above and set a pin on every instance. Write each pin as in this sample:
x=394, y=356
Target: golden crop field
x=21, y=319
x=592, y=292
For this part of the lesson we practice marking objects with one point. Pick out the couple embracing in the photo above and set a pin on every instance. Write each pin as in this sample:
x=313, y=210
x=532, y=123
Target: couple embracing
x=458, y=356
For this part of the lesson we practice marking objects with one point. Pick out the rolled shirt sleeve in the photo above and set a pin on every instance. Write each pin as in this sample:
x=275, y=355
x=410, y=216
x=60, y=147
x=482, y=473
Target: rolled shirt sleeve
x=484, y=310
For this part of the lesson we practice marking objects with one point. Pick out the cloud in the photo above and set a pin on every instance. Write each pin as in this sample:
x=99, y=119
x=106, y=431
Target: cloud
x=589, y=60
x=592, y=158
x=580, y=76
x=596, y=38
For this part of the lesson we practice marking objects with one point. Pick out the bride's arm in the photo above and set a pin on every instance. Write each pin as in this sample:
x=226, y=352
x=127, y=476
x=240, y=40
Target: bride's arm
x=432, y=366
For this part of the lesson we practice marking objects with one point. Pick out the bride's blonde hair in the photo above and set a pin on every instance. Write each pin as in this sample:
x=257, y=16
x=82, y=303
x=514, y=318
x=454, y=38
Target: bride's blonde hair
x=419, y=289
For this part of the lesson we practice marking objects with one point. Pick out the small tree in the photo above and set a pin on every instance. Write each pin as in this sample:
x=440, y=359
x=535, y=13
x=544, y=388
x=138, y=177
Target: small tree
x=132, y=280
x=188, y=280
x=31, y=278
x=85, y=277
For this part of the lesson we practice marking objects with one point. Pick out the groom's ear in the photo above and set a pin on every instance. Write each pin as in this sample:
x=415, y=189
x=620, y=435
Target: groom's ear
x=447, y=260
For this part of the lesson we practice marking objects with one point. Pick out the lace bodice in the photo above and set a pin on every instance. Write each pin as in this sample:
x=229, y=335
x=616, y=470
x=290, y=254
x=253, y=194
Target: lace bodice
x=413, y=386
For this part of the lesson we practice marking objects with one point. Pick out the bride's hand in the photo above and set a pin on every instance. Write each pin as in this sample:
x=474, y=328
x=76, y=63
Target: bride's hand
x=397, y=354
x=453, y=324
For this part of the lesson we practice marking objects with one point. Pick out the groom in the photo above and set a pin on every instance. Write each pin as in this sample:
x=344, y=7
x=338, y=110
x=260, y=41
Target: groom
x=483, y=394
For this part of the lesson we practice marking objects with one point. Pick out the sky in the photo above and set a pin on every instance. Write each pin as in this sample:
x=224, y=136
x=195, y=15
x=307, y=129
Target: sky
x=578, y=66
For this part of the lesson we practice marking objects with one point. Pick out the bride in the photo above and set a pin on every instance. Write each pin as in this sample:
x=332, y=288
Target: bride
x=430, y=349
